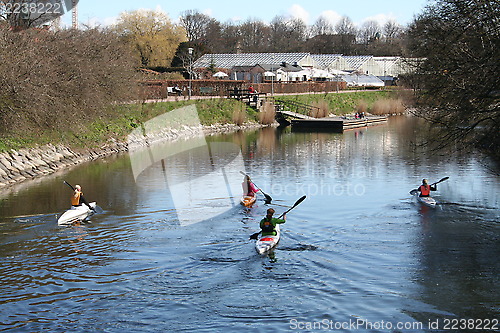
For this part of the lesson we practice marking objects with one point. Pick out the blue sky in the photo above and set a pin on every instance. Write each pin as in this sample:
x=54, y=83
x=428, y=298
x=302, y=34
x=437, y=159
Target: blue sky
x=402, y=11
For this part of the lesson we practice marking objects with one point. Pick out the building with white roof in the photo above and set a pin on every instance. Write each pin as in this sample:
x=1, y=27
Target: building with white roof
x=261, y=67
x=330, y=62
x=228, y=61
x=361, y=64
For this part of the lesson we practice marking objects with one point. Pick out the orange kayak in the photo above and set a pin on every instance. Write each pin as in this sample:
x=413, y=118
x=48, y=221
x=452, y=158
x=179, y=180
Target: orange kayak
x=248, y=201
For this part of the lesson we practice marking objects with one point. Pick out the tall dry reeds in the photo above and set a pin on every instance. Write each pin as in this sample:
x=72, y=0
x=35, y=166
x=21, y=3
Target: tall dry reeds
x=239, y=114
x=267, y=113
x=362, y=107
x=387, y=107
x=320, y=109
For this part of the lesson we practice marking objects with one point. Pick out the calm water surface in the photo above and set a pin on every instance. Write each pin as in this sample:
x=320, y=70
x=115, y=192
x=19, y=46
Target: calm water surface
x=358, y=255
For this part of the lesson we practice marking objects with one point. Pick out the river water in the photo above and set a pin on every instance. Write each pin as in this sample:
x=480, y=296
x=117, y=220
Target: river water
x=169, y=249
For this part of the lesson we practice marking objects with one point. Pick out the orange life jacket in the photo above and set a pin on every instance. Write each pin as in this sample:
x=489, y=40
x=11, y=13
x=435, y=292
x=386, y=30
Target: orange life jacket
x=425, y=190
x=75, y=199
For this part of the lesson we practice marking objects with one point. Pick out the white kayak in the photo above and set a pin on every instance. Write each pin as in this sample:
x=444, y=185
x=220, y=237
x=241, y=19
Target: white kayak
x=76, y=214
x=266, y=243
x=426, y=201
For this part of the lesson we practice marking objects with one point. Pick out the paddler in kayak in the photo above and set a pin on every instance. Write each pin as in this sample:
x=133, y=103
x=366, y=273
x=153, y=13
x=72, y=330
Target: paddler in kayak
x=425, y=189
x=268, y=223
x=76, y=198
x=249, y=188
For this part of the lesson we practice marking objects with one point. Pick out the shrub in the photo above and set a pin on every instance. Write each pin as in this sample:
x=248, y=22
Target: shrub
x=362, y=107
x=388, y=106
x=320, y=109
x=267, y=113
x=239, y=114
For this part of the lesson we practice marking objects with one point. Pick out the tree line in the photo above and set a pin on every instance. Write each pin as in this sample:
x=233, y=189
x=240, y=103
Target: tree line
x=284, y=34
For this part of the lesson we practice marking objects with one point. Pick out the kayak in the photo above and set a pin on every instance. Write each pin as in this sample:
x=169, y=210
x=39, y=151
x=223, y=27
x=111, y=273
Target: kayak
x=266, y=243
x=426, y=201
x=76, y=214
x=248, y=200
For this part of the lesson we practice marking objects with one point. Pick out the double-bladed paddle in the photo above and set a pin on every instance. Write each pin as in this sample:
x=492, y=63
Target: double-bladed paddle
x=255, y=235
x=83, y=198
x=412, y=192
x=267, y=196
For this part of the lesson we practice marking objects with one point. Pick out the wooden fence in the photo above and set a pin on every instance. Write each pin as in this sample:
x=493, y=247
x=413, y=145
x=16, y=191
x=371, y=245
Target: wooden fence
x=157, y=89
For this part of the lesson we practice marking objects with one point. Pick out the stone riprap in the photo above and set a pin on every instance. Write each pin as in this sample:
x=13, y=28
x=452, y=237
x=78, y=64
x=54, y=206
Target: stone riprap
x=19, y=165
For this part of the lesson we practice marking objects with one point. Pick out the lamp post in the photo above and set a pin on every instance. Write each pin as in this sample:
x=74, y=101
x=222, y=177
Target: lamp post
x=272, y=76
x=190, y=51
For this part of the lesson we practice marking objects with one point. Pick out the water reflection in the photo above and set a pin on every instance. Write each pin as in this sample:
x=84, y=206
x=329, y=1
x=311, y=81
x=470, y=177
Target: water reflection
x=358, y=247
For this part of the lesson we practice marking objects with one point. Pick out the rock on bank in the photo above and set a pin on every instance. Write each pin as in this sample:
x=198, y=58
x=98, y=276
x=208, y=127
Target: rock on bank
x=19, y=165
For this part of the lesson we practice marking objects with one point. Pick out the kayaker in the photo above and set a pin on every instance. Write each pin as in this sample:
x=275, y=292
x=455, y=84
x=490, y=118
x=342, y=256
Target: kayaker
x=425, y=189
x=249, y=188
x=268, y=223
x=76, y=198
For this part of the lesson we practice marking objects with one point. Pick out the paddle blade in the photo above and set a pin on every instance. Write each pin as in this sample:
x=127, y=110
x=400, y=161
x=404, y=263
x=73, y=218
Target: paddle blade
x=414, y=191
x=254, y=236
x=299, y=201
x=294, y=205
x=268, y=197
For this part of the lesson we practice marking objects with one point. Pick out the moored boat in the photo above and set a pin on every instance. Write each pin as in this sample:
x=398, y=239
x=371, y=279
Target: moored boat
x=76, y=214
x=266, y=243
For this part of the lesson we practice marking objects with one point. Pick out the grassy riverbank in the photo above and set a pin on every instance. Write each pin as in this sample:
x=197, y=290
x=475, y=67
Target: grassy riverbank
x=346, y=102
x=125, y=118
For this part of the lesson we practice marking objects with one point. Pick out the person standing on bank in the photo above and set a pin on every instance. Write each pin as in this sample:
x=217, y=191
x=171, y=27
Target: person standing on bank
x=268, y=223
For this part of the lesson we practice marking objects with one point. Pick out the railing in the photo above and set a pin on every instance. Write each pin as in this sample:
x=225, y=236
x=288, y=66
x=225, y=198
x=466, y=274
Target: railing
x=298, y=106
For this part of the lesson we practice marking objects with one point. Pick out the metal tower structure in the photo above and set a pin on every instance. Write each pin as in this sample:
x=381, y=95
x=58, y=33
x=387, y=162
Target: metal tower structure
x=74, y=17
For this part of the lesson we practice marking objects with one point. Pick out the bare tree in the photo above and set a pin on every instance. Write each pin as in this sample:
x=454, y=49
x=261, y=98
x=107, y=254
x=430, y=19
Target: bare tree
x=370, y=31
x=392, y=31
x=457, y=81
x=231, y=35
x=255, y=36
x=52, y=79
x=347, y=32
x=196, y=24
x=322, y=27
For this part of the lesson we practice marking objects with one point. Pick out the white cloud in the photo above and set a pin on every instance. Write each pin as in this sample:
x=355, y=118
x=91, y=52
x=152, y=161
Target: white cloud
x=296, y=11
x=331, y=16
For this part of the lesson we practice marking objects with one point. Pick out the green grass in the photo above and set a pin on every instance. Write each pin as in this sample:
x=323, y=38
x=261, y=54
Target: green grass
x=121, y=120
x=343, y=103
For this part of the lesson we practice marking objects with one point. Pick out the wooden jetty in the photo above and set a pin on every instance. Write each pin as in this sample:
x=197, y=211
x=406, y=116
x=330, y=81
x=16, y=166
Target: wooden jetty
x=335, y=124
x=302, y=122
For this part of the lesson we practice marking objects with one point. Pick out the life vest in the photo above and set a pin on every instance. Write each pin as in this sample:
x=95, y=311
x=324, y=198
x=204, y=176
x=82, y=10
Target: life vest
x=425, y=190
x=267, y=226
x=75, y=199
